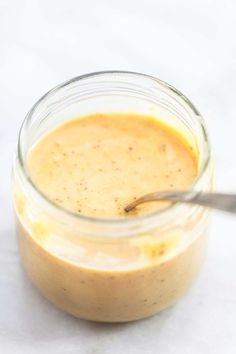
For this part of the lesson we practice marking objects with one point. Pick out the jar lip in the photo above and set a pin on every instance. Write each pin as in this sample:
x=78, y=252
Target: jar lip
x=113, y=221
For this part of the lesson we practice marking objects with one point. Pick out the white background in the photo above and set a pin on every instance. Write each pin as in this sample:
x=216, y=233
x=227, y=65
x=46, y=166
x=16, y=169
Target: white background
x=190, y=44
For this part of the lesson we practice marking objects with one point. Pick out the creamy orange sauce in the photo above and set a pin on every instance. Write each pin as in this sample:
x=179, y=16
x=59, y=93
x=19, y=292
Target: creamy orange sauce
x=97, y=164
x=94, y=166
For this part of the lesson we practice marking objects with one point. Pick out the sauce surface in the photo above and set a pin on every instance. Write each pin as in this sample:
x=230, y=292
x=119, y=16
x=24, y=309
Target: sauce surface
x=97, y=164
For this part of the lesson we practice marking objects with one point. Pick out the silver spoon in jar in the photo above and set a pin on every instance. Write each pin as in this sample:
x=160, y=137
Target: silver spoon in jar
x=220, y=201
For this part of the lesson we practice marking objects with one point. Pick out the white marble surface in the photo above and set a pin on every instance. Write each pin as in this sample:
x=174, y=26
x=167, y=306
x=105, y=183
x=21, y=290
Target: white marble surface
x=190, y=44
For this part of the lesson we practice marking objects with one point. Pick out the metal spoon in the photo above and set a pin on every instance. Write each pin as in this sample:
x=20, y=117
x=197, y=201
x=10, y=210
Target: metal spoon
x=220, y=201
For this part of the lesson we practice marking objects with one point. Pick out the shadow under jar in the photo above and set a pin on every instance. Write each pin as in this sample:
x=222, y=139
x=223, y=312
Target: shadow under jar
x=111, y=270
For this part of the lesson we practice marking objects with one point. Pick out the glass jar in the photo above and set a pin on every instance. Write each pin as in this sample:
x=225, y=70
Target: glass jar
x=101, y=269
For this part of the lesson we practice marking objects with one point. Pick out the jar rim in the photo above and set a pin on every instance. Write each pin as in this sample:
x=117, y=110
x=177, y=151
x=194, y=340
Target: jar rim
x=113, y=221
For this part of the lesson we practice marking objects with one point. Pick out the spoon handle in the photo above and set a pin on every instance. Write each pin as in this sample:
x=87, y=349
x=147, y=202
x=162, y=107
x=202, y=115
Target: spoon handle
x=220, y=201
